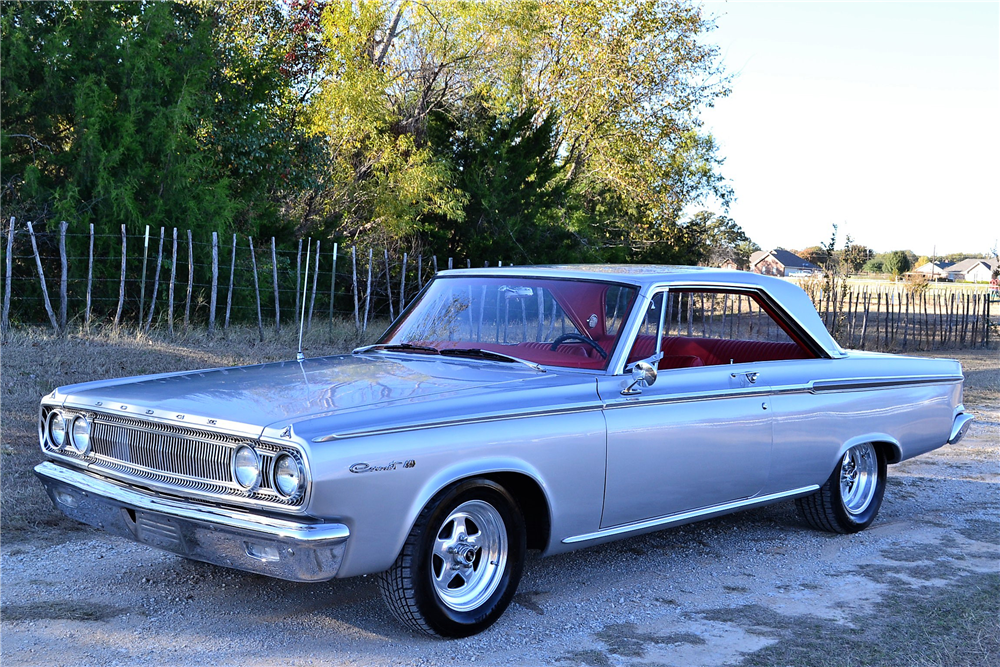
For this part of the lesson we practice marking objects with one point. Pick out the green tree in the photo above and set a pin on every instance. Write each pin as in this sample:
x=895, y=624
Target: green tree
x=622, y=86
x=874, y=265
x=103, y=106
x=855, y=255
x=897, y=263
x=506, y=168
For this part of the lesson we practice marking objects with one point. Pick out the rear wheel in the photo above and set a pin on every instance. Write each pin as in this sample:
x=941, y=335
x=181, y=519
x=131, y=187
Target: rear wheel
x=850, y=499
x=460, y=565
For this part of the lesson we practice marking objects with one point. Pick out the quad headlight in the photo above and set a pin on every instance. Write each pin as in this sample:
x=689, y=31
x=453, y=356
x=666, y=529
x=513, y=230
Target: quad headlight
x=289, y=479
x=79, y=434
x=246, y=467
x=55, y=427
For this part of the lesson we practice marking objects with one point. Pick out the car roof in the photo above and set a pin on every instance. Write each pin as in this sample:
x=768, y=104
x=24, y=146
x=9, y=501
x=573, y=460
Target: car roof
x=792, y=298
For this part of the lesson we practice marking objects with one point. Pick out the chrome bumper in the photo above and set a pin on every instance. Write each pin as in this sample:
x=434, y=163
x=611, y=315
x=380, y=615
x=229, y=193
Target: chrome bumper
x=958, y=430
x=276, y=547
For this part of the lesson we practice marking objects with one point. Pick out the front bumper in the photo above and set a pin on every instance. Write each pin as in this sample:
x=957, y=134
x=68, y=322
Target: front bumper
x=276, y=547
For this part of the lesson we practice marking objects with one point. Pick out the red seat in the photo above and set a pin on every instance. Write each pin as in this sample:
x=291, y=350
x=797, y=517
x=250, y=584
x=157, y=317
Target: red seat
x=714, y=351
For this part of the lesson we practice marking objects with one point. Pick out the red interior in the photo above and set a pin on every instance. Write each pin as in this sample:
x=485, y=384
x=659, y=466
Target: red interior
x=714, y=351
x=678, y=351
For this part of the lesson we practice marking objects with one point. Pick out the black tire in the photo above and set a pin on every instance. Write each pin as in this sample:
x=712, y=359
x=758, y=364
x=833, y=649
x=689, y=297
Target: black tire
x=416, y=587
x=827, y=509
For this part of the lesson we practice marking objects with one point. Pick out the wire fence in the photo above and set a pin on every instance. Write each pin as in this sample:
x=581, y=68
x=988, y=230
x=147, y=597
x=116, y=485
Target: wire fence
x=171, y=277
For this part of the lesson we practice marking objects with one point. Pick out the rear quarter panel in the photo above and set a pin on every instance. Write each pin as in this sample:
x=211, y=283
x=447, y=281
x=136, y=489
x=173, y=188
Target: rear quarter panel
x=822, y=407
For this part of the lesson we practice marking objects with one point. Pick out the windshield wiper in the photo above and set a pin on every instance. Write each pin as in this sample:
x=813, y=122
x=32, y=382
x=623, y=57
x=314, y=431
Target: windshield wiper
x=487, y=354
x=396, y=347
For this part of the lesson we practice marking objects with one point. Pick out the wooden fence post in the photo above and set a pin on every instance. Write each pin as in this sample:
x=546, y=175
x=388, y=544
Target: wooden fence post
x=142, y=285
x=298, y=277
x=402, y=286
x=333, y=284
x=5, y=320
x=121, y=284
x=170, y=291
x=312, y=301
x=64, y=276
x=256, y=290
x=90, y=278
x=156, y=281
x=388, y=283
x=274, y=272
x=368, y=292
x=190, y=287
x=434, y=259
x=354, y=281
x=41, y=277
x=213, y=299
x=420, y=272
x=229, y=295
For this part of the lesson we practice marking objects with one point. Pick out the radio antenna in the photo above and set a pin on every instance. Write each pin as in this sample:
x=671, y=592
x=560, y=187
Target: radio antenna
x=305, y=293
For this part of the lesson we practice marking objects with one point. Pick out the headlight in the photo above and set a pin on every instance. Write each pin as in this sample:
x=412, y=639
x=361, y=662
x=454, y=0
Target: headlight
x=246, y=467
x=288, y=477
x=79, y=435
x=57, y=429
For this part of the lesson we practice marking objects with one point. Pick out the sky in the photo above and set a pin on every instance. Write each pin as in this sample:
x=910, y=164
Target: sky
x=882, y=118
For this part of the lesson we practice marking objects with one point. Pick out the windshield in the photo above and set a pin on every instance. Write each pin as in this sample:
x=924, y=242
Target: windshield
x=554, y=322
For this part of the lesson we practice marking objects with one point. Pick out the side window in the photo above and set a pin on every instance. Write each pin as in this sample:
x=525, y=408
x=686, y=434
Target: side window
x=709, y=328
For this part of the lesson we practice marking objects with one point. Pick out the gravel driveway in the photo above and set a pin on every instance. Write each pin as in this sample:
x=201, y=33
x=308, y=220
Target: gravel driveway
x=757, y=587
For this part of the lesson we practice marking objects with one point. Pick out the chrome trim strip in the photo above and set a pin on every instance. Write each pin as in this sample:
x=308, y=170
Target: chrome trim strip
x=687, y=516
x=279, y=529
x=713, y=395
x=460, y=422
x=856, y=384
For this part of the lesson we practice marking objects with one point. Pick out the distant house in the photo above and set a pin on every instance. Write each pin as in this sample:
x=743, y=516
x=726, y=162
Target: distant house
x=781, y=263
x=934, y=270
x=972, y=270
x=969, y=270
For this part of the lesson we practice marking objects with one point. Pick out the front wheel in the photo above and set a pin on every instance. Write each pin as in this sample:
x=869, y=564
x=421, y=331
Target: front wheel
x=851, y=497
x=460, y=565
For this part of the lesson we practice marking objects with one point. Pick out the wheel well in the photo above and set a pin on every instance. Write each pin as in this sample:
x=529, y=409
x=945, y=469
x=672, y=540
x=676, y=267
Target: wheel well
x=889, y=450
x=531, y=499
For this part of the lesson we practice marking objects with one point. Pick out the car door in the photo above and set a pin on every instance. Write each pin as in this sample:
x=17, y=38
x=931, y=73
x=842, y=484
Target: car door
x=701, y=434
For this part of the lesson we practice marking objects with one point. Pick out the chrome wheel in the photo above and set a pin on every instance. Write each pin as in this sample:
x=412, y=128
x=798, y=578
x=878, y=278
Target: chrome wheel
x=858, y=477
x=469, y=555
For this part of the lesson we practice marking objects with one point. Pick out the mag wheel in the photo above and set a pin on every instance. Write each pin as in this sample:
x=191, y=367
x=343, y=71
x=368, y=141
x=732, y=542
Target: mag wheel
x=460, y=565
x=850, y=499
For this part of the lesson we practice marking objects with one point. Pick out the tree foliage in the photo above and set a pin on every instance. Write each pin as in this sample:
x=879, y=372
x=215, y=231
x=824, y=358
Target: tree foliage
x=515, y=129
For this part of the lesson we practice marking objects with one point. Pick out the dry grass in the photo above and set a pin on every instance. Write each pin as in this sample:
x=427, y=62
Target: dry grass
x=34, y=361
x=982, y=374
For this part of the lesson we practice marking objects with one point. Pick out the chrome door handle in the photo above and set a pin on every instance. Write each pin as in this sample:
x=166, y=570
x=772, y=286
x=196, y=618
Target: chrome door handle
x=751, y=377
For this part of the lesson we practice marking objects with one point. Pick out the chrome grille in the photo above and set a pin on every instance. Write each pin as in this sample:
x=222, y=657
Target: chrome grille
x=171, y=453
x=177, y=456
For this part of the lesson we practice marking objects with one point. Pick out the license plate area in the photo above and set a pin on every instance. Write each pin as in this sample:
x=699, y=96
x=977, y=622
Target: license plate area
x=159, y=531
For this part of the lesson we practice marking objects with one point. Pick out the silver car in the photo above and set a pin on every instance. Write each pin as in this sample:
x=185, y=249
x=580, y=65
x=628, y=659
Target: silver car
x=545, y=408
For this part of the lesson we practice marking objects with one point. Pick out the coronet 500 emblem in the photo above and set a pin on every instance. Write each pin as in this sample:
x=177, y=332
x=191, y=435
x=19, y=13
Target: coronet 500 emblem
x=367, y=467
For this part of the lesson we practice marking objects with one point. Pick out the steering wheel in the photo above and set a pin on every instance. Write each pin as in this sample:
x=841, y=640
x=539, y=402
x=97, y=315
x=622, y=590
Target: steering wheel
x=578, y=338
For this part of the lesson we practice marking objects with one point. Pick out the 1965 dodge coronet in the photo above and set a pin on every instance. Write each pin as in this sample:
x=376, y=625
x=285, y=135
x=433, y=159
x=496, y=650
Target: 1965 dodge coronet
x=506, y=409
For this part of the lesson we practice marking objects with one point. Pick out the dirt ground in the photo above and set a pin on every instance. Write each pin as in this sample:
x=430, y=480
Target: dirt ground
x=920, y=587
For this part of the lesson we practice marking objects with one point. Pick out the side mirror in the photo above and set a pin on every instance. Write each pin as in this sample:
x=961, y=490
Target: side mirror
x=643, y=375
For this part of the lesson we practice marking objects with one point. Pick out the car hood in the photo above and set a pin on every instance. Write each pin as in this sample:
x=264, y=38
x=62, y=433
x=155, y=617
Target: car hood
x=246, y=399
